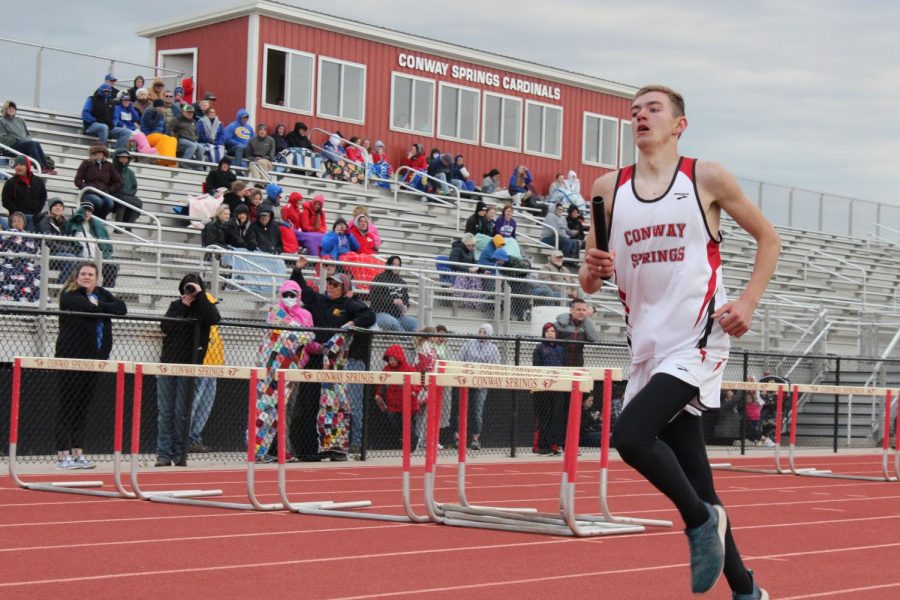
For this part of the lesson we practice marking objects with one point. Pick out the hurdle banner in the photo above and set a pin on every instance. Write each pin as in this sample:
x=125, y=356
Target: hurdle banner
x=564, y=522
x=338, y=509
x=80, y=365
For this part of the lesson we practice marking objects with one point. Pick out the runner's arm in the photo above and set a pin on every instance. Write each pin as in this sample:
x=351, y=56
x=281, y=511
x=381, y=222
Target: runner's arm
x=598, y=265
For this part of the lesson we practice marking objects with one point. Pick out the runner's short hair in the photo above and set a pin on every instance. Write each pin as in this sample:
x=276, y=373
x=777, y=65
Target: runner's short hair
x=676, y=98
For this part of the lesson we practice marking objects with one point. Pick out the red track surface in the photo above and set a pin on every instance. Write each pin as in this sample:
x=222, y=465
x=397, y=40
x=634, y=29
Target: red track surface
x=804, y=537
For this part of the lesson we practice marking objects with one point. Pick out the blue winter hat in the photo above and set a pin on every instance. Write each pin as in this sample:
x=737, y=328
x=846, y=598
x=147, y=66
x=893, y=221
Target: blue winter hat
x=501, y=254
x=110, y=77
x=273, y=191
x=104, y=87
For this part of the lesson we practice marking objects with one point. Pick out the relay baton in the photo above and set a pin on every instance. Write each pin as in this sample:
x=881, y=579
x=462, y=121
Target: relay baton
x=598, y=218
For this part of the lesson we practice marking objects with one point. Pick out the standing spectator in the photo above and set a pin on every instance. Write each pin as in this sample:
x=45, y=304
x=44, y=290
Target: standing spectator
x=753, y=403
x=426, y=356
x=390, y=399
x=127, y=193
x=193, y=310
x=211, y=135
x=390, y=299
x=480, y=350
x=338, y=242
x=55, y=223
x=265, y=233
x=221, y=177
x=262, y=148
x=84, y=226
x=24, y=192
x=20, y=277
x=360, y=230
x=380, y=168
x=491, y=184
x=238, y=134
x=97, y=172
x=728, y=421
x=205, y=387
x=576, y=326
x=549, y=407
x=153, y=125
x=14, y=133
x=215, y=233
x=459, y=174
x=138, y=82
x=555, y=221
x=185, y=131
x=81, y=337
x=127, y=116
x=96, y=116
x=478, y=221
x=443, y=353
x=556, y=273
x=312, y=225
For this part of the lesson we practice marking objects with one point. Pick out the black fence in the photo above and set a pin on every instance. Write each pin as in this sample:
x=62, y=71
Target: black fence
x=513, y=423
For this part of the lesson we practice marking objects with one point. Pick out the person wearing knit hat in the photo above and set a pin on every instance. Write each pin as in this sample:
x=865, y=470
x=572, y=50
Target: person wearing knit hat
x=24, y=192
x=14, y=133
x=273, y=193
x=479, y=350
x=155, y=127
x=97, y=118
x=380, y=167
x=126, y=213
x=549, y=407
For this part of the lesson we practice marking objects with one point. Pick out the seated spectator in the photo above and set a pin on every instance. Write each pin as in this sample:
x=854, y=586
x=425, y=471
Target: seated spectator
x=14, y=133
x=185, y=131
x=338, y=242
x=237, y=135
x=128, y=192
x=555, y=221
x=558, y=182
x=215, y=233
x=236, y=196
x=178, y=93
x=389, y=398
x=187, y=88
x=359, y=229
x=520, y=186
x=478, y=222
x=171, y=108
x=211, y=135
x=126, y=115
x=462, y=260
x=312, y=225
x=380, y=168
x=97, y=172
x=221, y=177
x=438, y=173
x=24, y=192
x=575, y=224
x=265, y=232
x=416, y=160
x=273, y=193
x=153, y=125
x=459, y=174
x=282, y=151
x=491, y=184
x=237, y=231
x=157, y=89
x=297, y=138
x=505, y=225
x=487, y=253
x=142, y=101
x=360, y=209
x=96, y=116
x=204, y=104
x=390, y=299
x=366, y=144
x=353, y=152
x=91, y=231
x=336, y=164
x=55, y=223
x=302, y=153
x=253, y=201
x=20, y=273
x=290, y=212
x=591, y=423
x=567, y=192
x=555, y=273
x=138, y=82
x=514, y=270
x=261, y=148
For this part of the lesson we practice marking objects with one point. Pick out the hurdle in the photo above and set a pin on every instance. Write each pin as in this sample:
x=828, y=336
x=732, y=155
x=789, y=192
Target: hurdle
x=336, y=509
x=69, y=364
x=566, y=521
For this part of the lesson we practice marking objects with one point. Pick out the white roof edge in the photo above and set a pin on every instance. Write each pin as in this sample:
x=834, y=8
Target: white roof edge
x=379, y=34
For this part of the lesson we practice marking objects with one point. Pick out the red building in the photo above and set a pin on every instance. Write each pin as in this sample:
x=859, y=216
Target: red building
x=286, y=64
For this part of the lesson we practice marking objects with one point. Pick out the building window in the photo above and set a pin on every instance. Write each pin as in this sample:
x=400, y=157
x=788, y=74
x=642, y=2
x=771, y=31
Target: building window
x=412, y=104
x=458, y=113
x=342, y=90
x=627, y=151
x=288, y=79
x=543, y=129
x=502, y=121
x=601, y=137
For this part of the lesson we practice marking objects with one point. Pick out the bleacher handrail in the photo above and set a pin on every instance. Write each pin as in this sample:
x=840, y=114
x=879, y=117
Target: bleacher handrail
x=36, y=166
x=434, y=197
x=92, y=190
x=851, y=265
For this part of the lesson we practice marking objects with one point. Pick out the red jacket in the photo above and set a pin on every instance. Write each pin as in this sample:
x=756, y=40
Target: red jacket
x=308, y=216
x=291, y=211
x=393, y=394
x=366, y=241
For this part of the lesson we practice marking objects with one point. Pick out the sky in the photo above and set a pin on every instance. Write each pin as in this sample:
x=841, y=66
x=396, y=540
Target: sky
x=792, y=92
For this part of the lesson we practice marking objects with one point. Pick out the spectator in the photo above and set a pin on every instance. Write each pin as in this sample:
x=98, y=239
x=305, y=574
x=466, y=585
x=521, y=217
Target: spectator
x=555, y=232
x=190, y=311
x=204, y=104
x=87, y=338
x=171, y=109
x=573, y=195
x=390, y=299
x=215, y=233
x=127, y=116
x=153, y=125
x=237, y=231
x=353, y=152
x=459, y=174
x=211, y=135
x=480, y=350
x=462, y=261
x=312, y=225
x=56, y=224
x=282, y=150
x=142, y=101
x=187, y=85
x=125, y=213
x=205, y=387
x=157, y=89
x=138, y=84
x=728, y=421
x=290, y=212
x=380, y=168
x=114, y=92
x=336, y=164
x=221, y=177
x=360, y=230
x=443, y=353
x=575, y=224
x=359, y=210
x=24, y=192
x=96, y=116
x=549, y=407
x=506, y=224
x=514, y=270
x=84, y=226
x=98, y=173
x=753, y=404
x=238, y=134
x=265, y=232
x=416, y=160
x=520, y=186
x=185, y=131
x=591, y=423
x=366, y=144
x=487, y=253
x=297, y=138
x=558, y=182
x=478, y=222
x=556, y=274
x=253, y=202
x=14, y=133
x=576, y=326
x=20, y=277
x=178, y=93
x=491, y=184
x=438, y=173
x=236, y=196
x=273, y=193
x=338, y=242
x=262, y=147
x=390, y=399
x=426, y=356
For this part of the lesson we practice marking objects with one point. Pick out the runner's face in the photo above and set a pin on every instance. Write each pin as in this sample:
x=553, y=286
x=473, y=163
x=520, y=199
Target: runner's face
x=653, y=119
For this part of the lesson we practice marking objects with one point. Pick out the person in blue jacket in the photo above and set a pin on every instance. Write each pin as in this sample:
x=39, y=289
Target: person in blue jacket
x=520, y=185
x=97, y=118
x=237, y=134
x=337, y=241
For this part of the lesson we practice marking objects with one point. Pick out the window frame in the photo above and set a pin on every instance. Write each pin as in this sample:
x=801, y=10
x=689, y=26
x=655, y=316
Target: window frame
x=313, y=100
x=478, y=109
x=365, y=78
x=623, y=124
x=525, y=149
x=391, y=126
x=502, y=97
x=602, y=118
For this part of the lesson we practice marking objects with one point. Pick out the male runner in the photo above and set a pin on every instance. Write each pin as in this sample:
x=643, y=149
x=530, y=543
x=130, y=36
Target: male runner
x=663, y=215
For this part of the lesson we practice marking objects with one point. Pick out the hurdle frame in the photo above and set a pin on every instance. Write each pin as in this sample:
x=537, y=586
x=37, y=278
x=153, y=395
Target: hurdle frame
x=69, y=364
x=337, y=509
